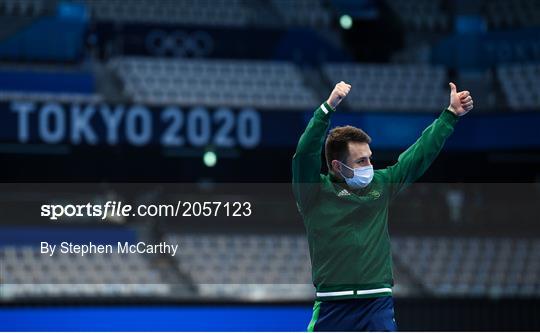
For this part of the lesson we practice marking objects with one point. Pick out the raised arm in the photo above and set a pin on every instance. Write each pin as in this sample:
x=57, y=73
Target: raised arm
x=306, y=164
x=413, y=162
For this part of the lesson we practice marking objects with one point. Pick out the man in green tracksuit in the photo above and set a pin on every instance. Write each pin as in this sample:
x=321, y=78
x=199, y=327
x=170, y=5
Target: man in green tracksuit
x=346, y=213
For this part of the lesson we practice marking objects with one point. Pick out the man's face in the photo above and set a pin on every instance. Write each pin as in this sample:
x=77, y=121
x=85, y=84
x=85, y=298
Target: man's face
x=359, y=155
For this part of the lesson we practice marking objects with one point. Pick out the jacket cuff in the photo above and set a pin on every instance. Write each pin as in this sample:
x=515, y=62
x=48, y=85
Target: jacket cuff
x=449, y=117
x=327, y=108
x=324, y=111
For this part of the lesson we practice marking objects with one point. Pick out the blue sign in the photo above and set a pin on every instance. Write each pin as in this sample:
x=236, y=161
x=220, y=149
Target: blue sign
x=137, y=125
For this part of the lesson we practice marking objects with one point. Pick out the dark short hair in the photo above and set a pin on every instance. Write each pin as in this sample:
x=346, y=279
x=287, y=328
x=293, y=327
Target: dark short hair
x=337, y=142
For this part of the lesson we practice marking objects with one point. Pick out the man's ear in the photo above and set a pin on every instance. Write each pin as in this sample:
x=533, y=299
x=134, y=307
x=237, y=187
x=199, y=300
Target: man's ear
x=336, y=167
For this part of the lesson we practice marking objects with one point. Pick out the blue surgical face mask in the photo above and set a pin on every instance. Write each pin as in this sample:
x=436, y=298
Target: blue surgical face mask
x=361, y=176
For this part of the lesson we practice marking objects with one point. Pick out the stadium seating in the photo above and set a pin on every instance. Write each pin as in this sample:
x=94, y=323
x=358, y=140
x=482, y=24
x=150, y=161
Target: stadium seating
x=249, y=267
x=211, y=13
x=303, y=12
x=258, y=266
x=472, y=266
x=442, y=265
x=25, y=272
x=197, y=12
x=392, y=87
x=275, y=85
x=420, y=15
x=520, y=84
x=29, y=8
x=502, y=14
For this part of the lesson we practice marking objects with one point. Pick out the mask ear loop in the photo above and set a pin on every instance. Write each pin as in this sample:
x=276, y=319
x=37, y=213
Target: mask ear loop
x=345, y=165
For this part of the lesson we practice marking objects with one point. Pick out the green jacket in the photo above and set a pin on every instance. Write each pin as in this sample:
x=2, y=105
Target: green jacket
x=347, y=229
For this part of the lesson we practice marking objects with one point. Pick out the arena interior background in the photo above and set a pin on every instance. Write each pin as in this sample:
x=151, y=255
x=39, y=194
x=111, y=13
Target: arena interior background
x=214, y=94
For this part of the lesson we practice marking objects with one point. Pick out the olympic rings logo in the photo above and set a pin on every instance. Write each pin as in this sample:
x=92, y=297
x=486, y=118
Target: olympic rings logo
x=179, y=43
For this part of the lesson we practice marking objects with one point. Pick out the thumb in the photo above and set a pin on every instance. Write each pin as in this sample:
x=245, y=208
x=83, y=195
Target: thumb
x=452, y=87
